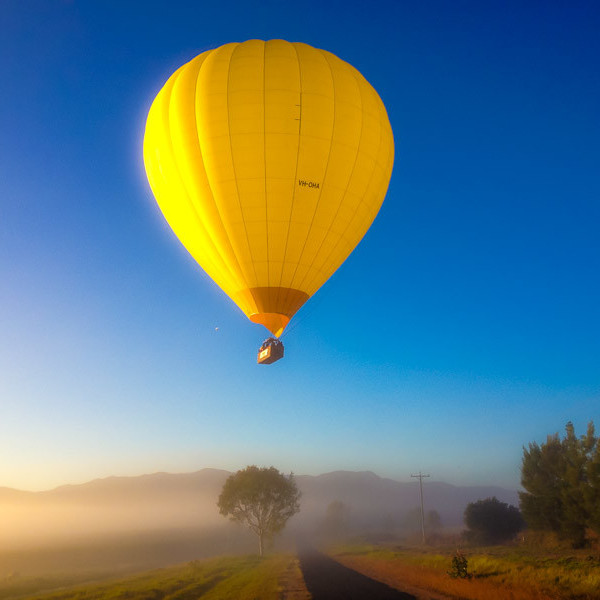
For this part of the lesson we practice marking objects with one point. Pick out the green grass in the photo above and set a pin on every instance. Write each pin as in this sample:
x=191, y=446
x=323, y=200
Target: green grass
x=222, y=578
x=19, y=586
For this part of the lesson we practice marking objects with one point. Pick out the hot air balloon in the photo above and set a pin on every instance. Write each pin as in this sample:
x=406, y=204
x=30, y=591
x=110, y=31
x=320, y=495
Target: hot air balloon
x=269, y=160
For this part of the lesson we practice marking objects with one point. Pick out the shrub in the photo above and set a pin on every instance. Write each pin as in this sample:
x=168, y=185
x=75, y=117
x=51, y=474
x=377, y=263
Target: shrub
x=459, y=567
x=491, y=521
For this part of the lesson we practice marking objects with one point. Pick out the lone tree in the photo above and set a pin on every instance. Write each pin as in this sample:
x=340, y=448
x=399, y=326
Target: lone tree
x=263, y=499
x=491, y=521
x=336, y=519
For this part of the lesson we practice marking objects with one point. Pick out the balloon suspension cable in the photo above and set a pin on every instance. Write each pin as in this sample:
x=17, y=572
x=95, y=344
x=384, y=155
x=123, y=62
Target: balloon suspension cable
x=306, y=311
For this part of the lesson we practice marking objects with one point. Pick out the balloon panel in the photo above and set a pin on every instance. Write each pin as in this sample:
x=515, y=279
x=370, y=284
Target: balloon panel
x=270, y=161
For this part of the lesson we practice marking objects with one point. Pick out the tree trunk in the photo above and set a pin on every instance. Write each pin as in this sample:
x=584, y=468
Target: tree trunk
x=260, y=544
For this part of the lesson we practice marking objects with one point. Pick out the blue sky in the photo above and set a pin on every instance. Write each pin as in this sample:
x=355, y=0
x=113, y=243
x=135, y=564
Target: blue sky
x=465, y=325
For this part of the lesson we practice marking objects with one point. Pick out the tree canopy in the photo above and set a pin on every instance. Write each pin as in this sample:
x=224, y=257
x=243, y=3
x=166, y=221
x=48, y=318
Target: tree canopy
x=491, y=521
x=263, y=499
x=562, y=483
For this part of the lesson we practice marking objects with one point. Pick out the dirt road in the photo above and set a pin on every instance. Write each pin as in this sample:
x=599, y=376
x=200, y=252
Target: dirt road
x=326, y=579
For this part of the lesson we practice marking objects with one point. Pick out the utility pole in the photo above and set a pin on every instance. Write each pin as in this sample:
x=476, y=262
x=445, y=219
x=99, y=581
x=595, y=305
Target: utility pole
x=421, y=476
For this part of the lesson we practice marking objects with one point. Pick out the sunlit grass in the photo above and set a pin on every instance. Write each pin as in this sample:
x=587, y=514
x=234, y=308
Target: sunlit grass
x=222, y=578
x=24, y=586
x=498, y=573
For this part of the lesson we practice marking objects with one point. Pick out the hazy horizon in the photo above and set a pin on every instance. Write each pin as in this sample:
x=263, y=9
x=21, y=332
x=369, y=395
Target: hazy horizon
x=406, y=479
x=186, y=504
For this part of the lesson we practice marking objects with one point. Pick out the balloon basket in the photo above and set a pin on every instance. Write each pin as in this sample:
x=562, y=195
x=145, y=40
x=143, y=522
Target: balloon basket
x=270, y=351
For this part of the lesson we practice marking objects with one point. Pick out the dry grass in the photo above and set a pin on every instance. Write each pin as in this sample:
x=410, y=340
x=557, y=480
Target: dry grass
x=497, y=573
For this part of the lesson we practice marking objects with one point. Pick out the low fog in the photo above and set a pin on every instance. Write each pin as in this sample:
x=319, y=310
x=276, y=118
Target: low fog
x=39, y=523
x=128, y=523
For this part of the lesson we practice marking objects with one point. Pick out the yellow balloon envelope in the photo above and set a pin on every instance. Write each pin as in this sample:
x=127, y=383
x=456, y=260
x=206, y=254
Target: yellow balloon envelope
x=269, y=160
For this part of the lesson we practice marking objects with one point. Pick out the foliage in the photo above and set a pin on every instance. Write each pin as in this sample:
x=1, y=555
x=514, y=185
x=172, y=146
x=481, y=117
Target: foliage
x=261, y=498
x=460, y=566
x=336, y=519
x=411, y=520
x=433, y=521
x=562, y=483
x=491, y=521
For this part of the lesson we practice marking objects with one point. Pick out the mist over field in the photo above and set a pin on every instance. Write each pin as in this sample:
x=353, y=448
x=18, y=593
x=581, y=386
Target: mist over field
x=107, y=506
x=160, y=519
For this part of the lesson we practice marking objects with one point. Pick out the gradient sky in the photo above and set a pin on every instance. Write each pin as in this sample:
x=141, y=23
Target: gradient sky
x=464, y=326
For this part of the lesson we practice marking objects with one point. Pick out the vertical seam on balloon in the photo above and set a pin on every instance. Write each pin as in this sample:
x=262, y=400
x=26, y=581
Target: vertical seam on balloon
x=265, y=155
x=237, y=190
x=167, y=133
x=235, y=276
x=341, y=202
x=324, y=174
x=381, y=130
x=218, y=247
x=229, y=275
x=361, y=201
x=287, y=238
x=168, y=138
x=241, y=276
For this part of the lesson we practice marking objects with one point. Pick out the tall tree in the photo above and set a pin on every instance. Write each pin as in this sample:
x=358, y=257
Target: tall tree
x=592, y=490
x=263, y=499
x=562, y=483
x=541, y=476
x=575, y=514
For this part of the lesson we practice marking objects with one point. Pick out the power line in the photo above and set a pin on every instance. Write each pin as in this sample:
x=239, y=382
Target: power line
x=420, y=476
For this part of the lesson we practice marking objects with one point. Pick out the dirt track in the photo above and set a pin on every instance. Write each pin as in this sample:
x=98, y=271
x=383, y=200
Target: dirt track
x=326, y=579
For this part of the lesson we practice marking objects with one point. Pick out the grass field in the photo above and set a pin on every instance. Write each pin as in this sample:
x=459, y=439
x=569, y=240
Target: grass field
x=498, y=573
x=223, y=578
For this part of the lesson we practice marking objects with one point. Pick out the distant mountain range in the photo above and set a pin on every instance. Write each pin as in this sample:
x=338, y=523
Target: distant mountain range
x=169, y=501
x=369, y=496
